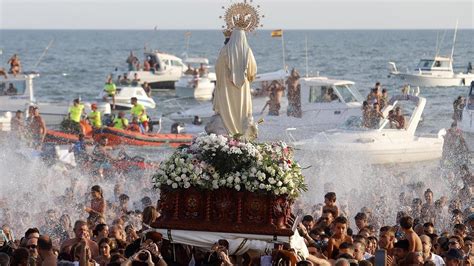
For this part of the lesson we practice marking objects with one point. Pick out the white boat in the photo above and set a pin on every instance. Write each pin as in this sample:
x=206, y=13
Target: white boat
x=381, y=145
x=435, y=72
x=318, y=113
x=197, y=87
x=17, y=93
x=166, y=70
x=125, y=93
x=467, y=120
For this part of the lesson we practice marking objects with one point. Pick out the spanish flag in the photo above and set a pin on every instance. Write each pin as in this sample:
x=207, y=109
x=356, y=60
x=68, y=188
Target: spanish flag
x=277, y=33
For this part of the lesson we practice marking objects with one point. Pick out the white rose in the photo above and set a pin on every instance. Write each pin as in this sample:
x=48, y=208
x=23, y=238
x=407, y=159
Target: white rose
x=230, y=179
x=169, y=182
x=262, y=186
x=279, y=183
x=187, y=185
x=174, y=185
x=237, y=180
x=237, y=187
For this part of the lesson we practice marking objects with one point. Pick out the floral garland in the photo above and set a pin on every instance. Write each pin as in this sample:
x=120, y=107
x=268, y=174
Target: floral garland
x=216, y=161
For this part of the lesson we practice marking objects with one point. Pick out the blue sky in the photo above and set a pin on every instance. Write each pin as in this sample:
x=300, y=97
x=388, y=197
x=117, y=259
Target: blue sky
x=204, y=14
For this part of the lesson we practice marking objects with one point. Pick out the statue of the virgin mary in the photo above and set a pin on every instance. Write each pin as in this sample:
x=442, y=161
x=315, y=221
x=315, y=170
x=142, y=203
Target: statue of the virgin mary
x=235, y=70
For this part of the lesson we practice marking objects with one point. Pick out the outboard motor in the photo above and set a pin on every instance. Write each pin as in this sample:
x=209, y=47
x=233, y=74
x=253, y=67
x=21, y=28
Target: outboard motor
x=177, y=128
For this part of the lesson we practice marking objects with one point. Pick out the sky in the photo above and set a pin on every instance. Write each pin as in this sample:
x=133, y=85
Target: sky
x=204, y=14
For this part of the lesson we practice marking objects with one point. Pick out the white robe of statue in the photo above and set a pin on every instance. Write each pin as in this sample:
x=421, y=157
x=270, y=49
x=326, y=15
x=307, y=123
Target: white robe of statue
x=232, y=102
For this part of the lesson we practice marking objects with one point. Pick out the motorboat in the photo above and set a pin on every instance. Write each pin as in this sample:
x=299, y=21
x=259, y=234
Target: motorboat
x=125, y=93
x=166, y=69
x=204, y=109
x=435, y=72
x=383, y=144
x=318, y=111
x=325, y=104
x=191, y=85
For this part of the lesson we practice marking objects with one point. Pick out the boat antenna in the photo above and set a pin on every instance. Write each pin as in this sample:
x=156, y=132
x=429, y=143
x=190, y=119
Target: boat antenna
x=149, y=41
x=43, y=54
x=441, y=41
x=306, y=39
x=437, y=44
x=454, y=39
x=187, y=38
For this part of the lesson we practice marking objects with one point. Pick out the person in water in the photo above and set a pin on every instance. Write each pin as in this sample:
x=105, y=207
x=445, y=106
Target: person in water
x=79, y=149
x=97, y=206
x=37, y=128
x=101, y=156
x=139, y=111
x=17, y=124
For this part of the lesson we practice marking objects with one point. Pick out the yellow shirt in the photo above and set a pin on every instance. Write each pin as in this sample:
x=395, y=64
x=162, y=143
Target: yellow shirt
x=110, y=88
x=75, y=112
x=95, y=119
x=139, y=111
x=121, y=123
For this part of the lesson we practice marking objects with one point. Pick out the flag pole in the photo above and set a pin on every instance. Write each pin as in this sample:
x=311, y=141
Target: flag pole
x=283, y=50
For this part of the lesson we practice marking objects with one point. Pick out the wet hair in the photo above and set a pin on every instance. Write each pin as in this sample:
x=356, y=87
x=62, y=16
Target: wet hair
x=124, y=197
x=429, y=191
x=406, y=222
x=402, y=244
x=45, y=243
x=346, y=245
x=98, y=189
x=304, y=263
x=20, y=257
x=331, y=211
x=330, y=196
x=360, y=216
x=134, y=99
x=460, y=227
x=428, y=224
x=340, y=220
x=377, y=84
x=384, y=90
x=456, y=212
x=308, y=218
x=150, y=214
x=99, y=228
x=387, y=228
x=79, y=223
x=31, y=231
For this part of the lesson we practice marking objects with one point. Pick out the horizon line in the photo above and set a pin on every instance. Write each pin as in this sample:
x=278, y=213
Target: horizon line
x=214, y=29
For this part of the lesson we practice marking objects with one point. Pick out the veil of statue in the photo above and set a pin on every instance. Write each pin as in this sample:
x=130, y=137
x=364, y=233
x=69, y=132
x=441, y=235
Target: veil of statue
x=232, y=102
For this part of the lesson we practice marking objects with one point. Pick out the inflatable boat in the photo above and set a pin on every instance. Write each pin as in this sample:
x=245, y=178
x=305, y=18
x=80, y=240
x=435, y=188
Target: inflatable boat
x=125, y=137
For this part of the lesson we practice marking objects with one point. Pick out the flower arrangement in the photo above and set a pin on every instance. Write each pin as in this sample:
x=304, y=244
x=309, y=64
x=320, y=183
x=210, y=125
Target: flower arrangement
x=215, y=161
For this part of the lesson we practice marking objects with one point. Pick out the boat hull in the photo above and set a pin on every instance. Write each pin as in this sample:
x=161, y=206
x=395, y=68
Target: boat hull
x=62, y=138
x=434, y=81
x=124, y=137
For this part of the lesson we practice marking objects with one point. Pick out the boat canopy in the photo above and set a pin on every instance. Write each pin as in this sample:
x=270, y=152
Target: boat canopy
x=196, y=60
x=15, y=85
x=438, y=63
x=322, y=89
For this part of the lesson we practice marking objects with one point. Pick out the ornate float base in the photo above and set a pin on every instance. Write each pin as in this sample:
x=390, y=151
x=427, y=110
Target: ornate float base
x=225, y=210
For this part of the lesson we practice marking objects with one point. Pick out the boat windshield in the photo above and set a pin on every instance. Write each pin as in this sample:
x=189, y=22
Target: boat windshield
x=354, y=123
x=348, y=93
x=12, y=87
x=425, y=64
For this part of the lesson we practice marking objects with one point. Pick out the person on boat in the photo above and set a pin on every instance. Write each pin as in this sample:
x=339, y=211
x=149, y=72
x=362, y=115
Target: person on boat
x=366, y=112
x=458, y=106
x=121, y=122
x=79, y=149
x=18, y=123
x=131, y=61
x=399, y=118
x=372, y=97
x=139, y=111
x=202, y=71
x=330, y=96
x=135, y=125
x=110, y=90
x=76, y=110
x=189, y=71
x=469, y=68
x=95, y=117
x=294, y=95
x=125, y=80
x=15, y=64
x=11, y=90
x=384, y=99
x=376, y=116
x=147, y=88
x=136, y=80
x=37, y=128
x=101, y=156
x=391, y=119
x=146, y=66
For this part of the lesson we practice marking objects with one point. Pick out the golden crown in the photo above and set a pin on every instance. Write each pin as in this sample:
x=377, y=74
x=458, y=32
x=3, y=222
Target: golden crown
x=243, y=16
